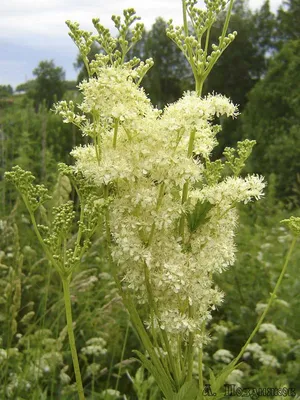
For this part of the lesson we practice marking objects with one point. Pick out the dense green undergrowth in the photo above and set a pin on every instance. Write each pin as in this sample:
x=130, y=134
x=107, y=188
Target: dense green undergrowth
x=35, y=358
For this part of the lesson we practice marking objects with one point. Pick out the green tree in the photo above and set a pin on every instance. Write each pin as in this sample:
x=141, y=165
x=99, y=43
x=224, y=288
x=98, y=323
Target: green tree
x=272, y=118
x=264, y=31
x=5, y=90
x=239, y=69
x=26, y=86
x=288, y=21
x=49, y=84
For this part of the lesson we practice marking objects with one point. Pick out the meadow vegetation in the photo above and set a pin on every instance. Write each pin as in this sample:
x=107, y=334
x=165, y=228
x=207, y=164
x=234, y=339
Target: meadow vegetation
x=152, y=201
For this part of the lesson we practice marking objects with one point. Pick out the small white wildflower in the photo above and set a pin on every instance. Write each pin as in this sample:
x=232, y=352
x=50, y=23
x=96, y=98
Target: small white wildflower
x=265, y=246
x=110, y=394
x=254, y=348
x=95, y=346
x=3, y=355
x=267, y=327
x=260, y=308
x=223, y=355
x=234, y=189
x=269, y=361
x=93, y=369
x=235, y=377
x=273, y=331
x=64, y=377
x=282, y=303
x=221, y=330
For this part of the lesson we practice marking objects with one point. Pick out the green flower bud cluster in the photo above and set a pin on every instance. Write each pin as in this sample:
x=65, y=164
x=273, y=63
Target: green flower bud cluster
x=293, y=223
x=125, y=33
x=35, y=195
x=213, y=172
x=236, y=158
x=113, y=51
x=58, y=233
x=201, y=18
x=198, y=56
x=84, y=188
x=62, y=223
x=104, y=38
x=82, y=39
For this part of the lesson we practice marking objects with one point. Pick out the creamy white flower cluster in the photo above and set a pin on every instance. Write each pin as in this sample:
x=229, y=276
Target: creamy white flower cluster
x=258, y=353
x=145, y=160
x=223, y=355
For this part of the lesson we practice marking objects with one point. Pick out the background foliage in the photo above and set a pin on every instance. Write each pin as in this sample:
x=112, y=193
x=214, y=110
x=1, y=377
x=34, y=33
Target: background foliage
x=260, y=73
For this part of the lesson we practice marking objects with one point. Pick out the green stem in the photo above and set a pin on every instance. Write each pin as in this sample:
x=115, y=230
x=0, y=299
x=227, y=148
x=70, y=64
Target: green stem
x=86, y=64
x=93, y=381
x=270, y=302
x=40, y=239
x=164, y=340
x=122, y=355
x=158, y=204
x=200, y=372
x=115, y=133
x=207, y=40
x=79, y=233
x=222, y=47
x=186, y=34
x=97, y=150
x=225, y=27
x=96, y=136
x=190, y=355
x=68, y=307
x=185, y=189
x=107, y=219
x=166, y=379
x=199, y=86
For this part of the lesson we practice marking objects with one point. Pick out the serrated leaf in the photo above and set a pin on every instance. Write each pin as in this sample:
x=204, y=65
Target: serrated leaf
x=199, y=215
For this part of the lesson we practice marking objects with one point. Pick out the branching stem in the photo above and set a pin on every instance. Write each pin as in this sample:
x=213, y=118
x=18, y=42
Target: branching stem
x=67, y=300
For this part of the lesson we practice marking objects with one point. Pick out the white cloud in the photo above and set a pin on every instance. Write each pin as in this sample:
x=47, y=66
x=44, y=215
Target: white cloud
x=44, y=17
x=37, y=27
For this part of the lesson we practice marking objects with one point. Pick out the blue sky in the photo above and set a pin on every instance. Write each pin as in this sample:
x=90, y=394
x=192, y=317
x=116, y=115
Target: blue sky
x=35, y=30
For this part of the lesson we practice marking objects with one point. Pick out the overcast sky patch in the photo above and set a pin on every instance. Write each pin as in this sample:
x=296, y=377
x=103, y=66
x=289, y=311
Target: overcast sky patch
x=33, y=30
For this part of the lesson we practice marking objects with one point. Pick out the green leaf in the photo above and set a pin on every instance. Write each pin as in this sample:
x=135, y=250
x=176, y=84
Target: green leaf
x=161, y=382
x=188, y=391
x=199, y=215
x=216, y=383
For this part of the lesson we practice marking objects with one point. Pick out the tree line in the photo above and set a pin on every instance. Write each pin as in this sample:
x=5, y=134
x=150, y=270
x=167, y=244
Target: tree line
x=259, y=73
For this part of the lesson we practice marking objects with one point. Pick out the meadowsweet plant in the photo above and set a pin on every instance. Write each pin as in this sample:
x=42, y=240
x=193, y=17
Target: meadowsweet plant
x=146, y=179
